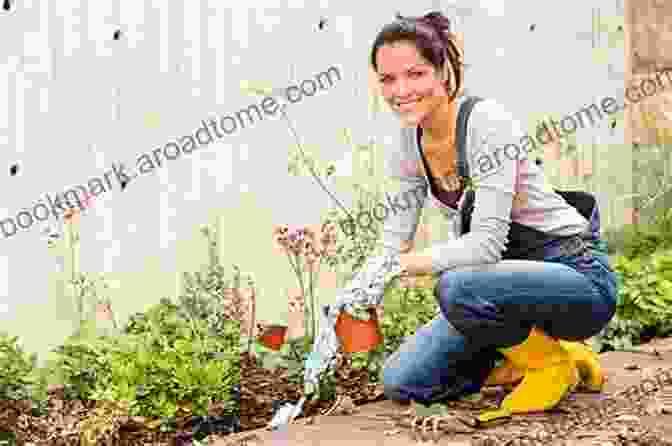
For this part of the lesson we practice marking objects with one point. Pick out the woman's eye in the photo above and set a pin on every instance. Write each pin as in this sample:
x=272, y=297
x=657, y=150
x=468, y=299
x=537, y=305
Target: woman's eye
x=415, y=74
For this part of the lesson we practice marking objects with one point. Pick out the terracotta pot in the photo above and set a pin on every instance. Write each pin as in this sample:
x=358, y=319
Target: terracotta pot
x=273, y=337
x=357, y=335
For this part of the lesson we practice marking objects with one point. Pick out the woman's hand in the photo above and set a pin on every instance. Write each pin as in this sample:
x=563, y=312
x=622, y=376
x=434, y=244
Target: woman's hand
x=415, y=264
x=406, y=246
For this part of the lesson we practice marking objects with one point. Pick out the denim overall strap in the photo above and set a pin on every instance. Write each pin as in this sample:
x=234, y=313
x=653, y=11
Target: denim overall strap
x=462, y=164
x=524, y=242
x=462, y=123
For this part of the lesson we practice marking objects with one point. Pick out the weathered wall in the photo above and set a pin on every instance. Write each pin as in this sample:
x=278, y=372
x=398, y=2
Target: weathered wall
x=649, y=73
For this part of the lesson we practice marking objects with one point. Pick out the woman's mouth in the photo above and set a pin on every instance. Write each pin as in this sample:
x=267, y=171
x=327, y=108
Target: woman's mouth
x=407, y=105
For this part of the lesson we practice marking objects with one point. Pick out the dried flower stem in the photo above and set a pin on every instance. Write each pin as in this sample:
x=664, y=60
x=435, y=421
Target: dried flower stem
x=311, y=287
x=299, y=275
x=252, y=320
x=310, y=167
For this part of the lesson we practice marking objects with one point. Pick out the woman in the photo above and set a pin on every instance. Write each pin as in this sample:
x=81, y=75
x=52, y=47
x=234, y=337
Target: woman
x=531, y=312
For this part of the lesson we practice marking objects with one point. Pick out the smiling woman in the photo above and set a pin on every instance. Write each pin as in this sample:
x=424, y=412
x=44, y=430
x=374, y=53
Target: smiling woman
x=500, y=293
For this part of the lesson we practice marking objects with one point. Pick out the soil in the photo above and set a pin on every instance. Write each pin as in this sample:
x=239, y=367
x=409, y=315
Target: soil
x=62, y=425
x=261, y=387
x=363, y=417
x=639, y=418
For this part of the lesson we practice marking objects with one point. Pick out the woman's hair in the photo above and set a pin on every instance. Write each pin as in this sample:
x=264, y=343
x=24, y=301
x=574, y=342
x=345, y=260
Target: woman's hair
x=434, y=41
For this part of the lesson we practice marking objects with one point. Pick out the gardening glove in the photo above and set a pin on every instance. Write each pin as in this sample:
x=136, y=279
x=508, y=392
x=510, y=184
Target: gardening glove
x=364, y=291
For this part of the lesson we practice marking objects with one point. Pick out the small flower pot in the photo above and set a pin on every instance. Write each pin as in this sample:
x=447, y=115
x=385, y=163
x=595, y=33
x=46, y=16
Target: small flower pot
x=273, y=337
x=357, y=335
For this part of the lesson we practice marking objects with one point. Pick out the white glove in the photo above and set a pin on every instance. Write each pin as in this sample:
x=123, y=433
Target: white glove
x=364, y=291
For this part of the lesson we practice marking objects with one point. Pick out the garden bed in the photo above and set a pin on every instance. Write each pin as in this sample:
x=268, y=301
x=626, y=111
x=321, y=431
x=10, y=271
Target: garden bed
x=168, y=376
x=66, y=419
x=639, y=418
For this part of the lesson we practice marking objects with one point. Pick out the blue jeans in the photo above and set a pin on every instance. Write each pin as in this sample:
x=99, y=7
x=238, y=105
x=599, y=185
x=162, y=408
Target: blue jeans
x=488, y=307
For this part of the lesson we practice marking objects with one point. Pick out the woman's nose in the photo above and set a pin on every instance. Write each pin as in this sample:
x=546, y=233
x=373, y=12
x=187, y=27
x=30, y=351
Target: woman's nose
x=400, y=89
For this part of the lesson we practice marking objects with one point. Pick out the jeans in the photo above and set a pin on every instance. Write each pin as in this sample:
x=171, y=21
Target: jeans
x=488, y=307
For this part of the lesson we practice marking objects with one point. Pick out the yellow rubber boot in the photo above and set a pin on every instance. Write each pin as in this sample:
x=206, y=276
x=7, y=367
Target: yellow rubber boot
x=588, y=364
x=592, y=377
x=550, y=374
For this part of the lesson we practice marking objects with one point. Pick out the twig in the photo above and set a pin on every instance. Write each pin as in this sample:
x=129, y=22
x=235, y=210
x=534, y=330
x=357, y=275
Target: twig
x=334, y=407
x=311, y=289
x=310, y=168
x=651, y=200
x=253, y=318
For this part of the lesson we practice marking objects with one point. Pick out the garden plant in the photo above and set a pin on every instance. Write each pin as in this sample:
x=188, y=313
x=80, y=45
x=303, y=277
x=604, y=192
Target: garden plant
x=169, y=375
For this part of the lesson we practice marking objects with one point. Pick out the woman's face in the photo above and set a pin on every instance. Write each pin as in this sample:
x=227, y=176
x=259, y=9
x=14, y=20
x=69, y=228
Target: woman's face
x=410, y=84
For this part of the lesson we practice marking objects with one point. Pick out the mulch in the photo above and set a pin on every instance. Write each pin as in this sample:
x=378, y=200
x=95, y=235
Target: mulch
x=584, y=418
x=62, y=425
x=260, y=387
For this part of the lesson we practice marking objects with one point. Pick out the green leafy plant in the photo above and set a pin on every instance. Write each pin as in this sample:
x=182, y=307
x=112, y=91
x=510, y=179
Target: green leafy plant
x=291, y=356
x=645, y=291
x=193, y=371
x=162, y=323
x=619, y=334
x=161, y=362
x=19, y=379
x=7, y=439
x=204, y=293
x=406, y=309
x=633, y=241
x=644, y=301
x=373, y=362
x=80, y=364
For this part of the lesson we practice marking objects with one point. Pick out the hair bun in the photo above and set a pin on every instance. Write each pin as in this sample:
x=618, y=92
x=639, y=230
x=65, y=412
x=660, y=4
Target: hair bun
x=437, y=20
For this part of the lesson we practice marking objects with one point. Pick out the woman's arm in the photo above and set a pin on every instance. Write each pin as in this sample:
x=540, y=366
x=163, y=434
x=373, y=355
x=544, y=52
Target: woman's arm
x=495, y=174
x=405, y=197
